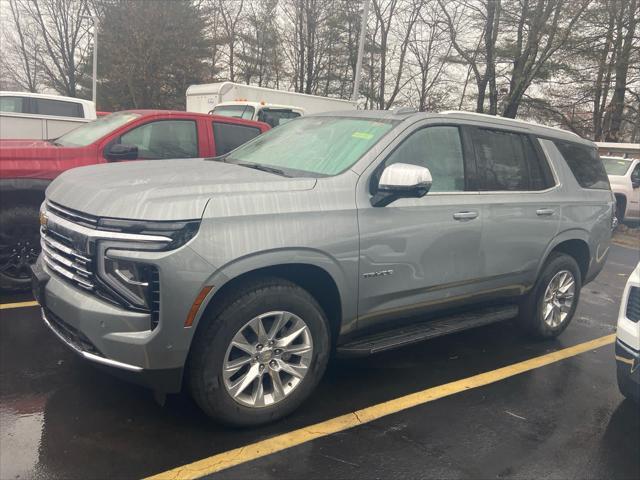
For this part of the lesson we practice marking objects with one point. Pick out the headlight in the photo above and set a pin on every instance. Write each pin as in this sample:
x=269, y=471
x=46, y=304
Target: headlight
x=130, y=279
x=131, y=282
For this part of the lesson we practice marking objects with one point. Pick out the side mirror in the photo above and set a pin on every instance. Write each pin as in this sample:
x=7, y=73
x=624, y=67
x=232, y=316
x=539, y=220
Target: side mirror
x=401, y=180
x=119, y=151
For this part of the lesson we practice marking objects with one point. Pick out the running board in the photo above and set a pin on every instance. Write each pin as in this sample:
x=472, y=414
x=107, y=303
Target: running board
x=417, y=332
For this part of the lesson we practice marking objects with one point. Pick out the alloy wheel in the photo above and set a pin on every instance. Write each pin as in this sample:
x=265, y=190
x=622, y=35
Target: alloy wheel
x=558, y=298
x=267, y=359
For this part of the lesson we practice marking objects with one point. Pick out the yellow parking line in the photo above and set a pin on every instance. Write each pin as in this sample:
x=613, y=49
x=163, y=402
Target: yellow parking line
x=7, y=306
x=281, y=442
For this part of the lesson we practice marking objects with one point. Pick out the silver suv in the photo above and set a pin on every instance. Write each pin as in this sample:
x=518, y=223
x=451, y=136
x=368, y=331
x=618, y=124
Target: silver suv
x=347, y=234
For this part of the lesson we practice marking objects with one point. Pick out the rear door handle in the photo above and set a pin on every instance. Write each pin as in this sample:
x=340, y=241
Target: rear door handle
x=465, y=215
x=545, y=212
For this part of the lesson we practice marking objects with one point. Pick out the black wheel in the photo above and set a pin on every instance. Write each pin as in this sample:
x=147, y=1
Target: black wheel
x=19, y=246
x=260, y=355
x=550, y=306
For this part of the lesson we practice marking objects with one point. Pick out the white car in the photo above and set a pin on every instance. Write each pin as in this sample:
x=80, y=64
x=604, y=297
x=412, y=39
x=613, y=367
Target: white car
x=628, y=339
x=624, y=177
x=25, y=115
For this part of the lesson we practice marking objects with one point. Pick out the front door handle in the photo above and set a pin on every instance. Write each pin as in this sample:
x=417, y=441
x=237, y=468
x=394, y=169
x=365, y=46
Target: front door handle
x=545, y=212
x=465, y=215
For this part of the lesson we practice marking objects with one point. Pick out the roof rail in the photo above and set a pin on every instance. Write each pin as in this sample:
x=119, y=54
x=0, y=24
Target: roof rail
x=404, y=110
x=506, y=121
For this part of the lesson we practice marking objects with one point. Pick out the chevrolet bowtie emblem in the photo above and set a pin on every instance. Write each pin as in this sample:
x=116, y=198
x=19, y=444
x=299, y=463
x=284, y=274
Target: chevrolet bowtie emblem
x=43, y=219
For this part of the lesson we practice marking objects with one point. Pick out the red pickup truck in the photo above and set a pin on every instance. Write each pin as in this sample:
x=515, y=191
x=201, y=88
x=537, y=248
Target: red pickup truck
x=28, y=166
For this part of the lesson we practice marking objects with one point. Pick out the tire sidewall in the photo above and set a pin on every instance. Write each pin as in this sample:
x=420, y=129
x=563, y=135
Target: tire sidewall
x=554, y=265
x=21, y=215
x=217, y=401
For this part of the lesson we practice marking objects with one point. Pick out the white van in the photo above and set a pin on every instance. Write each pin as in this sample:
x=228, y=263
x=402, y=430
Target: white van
x=274, y=107
x=26, y=115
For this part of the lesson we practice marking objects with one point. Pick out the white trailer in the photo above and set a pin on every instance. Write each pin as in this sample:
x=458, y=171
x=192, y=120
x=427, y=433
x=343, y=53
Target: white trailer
x=259, y=103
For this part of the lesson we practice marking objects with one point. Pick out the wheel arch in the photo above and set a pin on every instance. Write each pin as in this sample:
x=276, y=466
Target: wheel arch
x=314, y=271
x=22, y=191
x=574, y=243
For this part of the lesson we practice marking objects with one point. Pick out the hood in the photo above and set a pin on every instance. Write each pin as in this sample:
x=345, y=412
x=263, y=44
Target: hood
x=40, y=158
x=161, y=189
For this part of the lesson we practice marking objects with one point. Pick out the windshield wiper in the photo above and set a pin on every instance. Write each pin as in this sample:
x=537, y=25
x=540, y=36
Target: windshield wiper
x=264, y=168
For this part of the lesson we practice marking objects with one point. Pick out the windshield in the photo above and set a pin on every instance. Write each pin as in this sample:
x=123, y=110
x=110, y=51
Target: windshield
x=275, y=117
x=317, y=145
x=236, y=111
x=616, y=166
x=92, y=131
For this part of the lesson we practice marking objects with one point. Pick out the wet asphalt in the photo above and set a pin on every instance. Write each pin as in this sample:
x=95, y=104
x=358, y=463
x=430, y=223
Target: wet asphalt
x=62, y=418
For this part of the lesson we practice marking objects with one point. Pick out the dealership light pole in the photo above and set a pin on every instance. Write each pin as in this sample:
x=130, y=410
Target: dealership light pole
x=94, y=80
x=363, y=33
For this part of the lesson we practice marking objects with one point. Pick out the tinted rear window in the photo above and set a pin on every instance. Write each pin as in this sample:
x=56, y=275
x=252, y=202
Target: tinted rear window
x=585, y=164
x=12, y=104
x=229, y=136
x=507, y=161
x=58, y=108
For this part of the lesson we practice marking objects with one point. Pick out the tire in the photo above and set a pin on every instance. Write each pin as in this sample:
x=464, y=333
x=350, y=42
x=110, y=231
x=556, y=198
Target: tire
x=19, y=246
x=533, y=308
x=628, y=388
x=211, y=387
x=621, y=206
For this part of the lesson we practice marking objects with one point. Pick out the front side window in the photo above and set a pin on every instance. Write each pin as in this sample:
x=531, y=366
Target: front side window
x=507, y=161
x=93, y=131
x=164, y=139
x=585, y=164
x=229, y=136
x=316, y=146
x=57, y=108
x=13, y=104
x=439, y=149
x=235, y=111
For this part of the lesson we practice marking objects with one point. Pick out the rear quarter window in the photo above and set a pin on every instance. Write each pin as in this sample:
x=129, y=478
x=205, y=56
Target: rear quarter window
x=58, y=108
x=585, y=164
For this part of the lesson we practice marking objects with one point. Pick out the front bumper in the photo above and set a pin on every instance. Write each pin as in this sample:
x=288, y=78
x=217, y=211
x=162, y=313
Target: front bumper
x=628, y=370
x=116, y=338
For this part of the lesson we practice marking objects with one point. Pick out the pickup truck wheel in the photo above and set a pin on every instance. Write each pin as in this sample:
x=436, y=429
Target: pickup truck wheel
x=19, y=246
x=261, y=356
x=550, y=306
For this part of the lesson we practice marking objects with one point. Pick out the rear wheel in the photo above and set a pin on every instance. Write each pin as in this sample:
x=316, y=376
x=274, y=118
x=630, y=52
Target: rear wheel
x=261, y=356
x=621, y=207
x=19, y=246
x=550, y=306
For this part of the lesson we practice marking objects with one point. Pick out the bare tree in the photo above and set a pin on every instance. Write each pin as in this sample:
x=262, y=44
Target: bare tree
x=231, y=12
x=464, y=18
x=542, y=27
x=64, y=29
x=21, y=59
x=626, y=22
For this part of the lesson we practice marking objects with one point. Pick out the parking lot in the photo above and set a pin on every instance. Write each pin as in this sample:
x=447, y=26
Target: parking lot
x=562, y=417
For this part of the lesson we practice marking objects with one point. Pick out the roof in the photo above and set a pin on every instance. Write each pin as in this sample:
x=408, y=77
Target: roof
x=180, y=113
x=402, y=114
x=6, y=93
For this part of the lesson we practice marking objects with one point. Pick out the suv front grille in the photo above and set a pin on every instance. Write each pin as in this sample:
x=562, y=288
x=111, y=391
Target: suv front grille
x=60, y=256
x=633, y=304
x=73, y=215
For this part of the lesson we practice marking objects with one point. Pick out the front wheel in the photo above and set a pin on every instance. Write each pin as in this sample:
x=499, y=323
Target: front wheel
x=261, y=356
x=550, y=306
x=19, y=246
